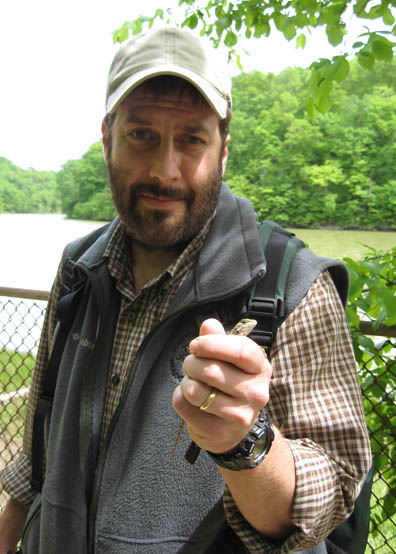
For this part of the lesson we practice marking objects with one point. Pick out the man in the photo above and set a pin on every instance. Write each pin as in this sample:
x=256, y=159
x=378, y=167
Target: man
x=147, y=346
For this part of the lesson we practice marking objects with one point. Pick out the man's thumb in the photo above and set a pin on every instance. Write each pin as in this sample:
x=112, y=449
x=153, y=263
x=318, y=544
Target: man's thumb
x=211, y=327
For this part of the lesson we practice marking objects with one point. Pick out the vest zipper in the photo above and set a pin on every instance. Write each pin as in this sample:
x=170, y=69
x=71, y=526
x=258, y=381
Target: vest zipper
x=97, y=479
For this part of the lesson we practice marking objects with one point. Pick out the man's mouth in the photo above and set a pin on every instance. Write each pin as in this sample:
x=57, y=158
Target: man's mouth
x=157, y=197
x=160, y=197
x=159, y=201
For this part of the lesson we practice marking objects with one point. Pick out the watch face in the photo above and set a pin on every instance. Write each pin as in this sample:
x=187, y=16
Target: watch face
x=252, y=450
x=260, y=447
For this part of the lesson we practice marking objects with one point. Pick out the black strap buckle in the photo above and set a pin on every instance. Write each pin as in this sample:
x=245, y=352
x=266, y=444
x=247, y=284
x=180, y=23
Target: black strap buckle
x=262, y=307
x=265, y=311
x=263, y=338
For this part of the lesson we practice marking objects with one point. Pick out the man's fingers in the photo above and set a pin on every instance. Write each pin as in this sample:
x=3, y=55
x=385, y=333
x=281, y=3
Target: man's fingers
x=225, y=377
x=238, y=403
x=241, y=352
x=221, y=422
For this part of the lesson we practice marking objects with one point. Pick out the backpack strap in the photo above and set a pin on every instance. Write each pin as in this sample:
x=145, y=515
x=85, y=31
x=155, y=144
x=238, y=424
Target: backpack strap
x=267, y=304
x=268, y=308
x=73, y=286
x=266, y=301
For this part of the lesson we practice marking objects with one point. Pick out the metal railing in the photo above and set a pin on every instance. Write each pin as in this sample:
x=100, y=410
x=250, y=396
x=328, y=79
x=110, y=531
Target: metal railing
x=21, y=318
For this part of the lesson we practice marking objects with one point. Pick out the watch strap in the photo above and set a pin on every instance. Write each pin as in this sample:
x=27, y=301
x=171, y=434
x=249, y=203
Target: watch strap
x=251, y=451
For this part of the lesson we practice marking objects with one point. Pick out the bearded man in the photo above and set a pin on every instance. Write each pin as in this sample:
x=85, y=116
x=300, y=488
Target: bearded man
x=148, y=349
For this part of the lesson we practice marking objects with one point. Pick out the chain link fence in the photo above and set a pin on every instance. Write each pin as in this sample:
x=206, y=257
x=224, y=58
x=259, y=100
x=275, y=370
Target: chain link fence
x=378, y=381
x=21, y=318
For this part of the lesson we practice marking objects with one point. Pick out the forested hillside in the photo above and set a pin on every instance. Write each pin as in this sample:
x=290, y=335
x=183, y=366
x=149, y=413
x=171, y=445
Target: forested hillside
x=337, y=169
x=83, y=187
x=27, y=190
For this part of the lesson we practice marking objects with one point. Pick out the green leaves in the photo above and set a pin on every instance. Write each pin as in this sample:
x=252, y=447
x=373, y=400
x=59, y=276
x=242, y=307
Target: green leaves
x=335, y=33
x=131, y=28
x=335, y=169
x=381, y=48
x=83, y=187
x=377, y=47
x=226, y=21
x=301, y=41
x=373, y=287
x=191, y=21
x=366, y=59
x=373, y=297
x=323, y=74
x=230, y=39
x=27, y=190
x=340, y=69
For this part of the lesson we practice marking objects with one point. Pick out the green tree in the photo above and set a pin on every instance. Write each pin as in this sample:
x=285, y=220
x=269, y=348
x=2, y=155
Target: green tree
x=83, y=187
x=27, y=191
x=336, y=169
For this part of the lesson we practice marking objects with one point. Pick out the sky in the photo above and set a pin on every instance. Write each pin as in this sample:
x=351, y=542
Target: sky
x=54, y=61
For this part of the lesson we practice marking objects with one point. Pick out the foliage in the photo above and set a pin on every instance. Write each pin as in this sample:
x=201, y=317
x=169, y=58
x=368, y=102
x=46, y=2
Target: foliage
x=27, y=191
x=373, y=297
x=225, y=21
x=334, y=170
x=337, y=169
x=83, y=187
x=382, y=538
x=16, y=370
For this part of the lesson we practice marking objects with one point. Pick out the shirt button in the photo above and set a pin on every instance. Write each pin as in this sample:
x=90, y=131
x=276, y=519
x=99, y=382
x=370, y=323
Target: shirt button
x=116, y=379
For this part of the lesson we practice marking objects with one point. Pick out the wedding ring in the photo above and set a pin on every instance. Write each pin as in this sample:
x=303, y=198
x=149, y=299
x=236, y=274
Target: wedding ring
x=208, y=400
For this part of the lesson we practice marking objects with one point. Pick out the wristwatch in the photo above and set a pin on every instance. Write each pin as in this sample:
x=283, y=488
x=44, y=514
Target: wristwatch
x=251, y=451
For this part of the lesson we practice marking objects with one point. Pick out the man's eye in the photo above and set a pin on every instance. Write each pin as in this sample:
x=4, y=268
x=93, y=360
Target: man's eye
x=192, y=139
x=141, y=134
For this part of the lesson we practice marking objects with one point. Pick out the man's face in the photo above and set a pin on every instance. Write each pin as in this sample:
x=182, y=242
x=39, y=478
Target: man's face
x=165, y=167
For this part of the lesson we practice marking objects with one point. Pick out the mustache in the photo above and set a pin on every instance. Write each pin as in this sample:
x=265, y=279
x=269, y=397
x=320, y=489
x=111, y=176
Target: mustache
x=156, y=189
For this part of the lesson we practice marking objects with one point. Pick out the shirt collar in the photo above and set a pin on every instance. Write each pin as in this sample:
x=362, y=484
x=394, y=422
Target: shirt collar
x=119, y=255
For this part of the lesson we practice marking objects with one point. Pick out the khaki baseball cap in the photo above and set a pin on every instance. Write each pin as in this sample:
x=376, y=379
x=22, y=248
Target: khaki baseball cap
x=169, y=51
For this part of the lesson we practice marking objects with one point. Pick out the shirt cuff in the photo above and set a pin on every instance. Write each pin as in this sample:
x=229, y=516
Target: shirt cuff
x=15, y=479
x=316, y=509
x=255, y=542
x=324, y=495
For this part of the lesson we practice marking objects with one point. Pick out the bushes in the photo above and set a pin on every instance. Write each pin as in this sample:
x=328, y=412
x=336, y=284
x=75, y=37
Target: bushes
x=373, y=299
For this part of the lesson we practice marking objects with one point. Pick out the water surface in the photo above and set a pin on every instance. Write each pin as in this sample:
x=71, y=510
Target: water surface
x=31, y=245
x=340, y=244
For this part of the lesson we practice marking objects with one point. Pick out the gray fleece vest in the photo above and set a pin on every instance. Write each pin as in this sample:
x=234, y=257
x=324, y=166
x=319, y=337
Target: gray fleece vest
x=126, y=497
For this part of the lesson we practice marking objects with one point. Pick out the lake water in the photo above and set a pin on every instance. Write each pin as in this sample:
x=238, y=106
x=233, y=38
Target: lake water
x=31, y=245
x=341, y=244
x=30, y=248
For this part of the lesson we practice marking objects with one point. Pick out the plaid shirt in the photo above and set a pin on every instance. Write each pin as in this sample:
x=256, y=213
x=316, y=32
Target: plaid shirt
x=315, y=395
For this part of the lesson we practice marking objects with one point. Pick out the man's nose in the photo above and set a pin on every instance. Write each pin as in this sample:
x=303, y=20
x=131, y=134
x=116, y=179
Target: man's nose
x=165, y=165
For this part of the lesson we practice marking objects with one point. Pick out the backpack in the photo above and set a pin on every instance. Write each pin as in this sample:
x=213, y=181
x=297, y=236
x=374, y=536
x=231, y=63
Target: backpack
x=266, y=305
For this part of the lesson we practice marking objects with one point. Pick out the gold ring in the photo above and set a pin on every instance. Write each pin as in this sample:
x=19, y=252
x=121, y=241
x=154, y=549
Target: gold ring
x=208, y=400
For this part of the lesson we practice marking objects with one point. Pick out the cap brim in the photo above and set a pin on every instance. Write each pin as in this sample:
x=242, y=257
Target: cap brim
x=214, y=98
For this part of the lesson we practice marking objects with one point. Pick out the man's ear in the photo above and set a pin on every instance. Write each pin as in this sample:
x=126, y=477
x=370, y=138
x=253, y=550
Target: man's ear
x=104, y=141
x=224, y=156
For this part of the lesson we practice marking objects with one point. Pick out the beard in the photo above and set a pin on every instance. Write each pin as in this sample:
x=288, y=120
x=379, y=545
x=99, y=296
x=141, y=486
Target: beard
x=156, y=229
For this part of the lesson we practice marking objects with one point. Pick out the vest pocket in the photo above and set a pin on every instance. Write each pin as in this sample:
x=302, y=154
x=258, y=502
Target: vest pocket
x=31, y=531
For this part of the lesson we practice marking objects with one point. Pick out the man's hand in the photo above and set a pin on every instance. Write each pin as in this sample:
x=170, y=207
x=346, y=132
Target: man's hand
x=238, y=370
x=12, y=520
